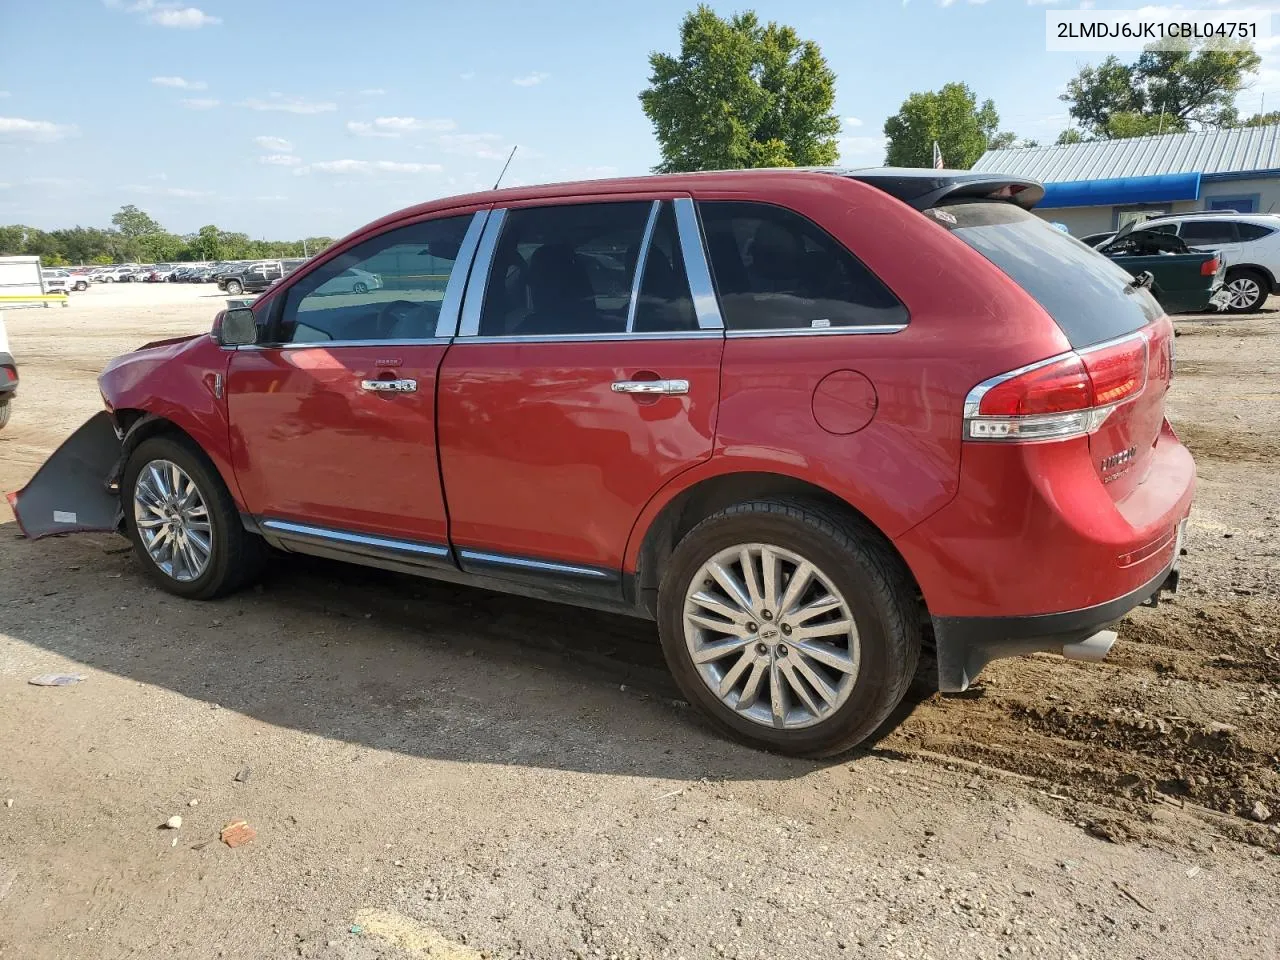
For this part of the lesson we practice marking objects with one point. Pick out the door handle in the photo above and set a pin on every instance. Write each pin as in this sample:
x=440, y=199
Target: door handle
x=668, y=388
x=389, y=386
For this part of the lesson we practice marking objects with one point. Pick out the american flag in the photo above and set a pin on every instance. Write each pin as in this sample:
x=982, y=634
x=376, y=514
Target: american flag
x=937, y=156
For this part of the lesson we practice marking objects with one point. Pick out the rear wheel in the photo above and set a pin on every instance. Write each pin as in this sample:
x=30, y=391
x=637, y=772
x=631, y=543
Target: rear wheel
x=81, y=285
x=360, y=287
x=790, y=625
x=1246, y=291
x=4, y=412
x=235, y=287
x=185, y=528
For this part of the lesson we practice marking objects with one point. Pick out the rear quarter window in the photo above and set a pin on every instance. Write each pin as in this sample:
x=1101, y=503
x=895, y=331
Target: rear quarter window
x=1253, y=231
x=1088, y=296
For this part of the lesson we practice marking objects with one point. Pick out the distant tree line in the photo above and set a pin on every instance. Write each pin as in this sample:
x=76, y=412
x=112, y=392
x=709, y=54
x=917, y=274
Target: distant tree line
x=134, y=237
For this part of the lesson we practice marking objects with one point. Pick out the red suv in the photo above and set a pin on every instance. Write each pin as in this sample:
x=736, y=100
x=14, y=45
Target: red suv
x=803, y=419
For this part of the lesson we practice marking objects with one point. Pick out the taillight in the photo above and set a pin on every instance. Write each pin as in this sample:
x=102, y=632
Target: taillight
x=1210, y=267
x=1066, y=396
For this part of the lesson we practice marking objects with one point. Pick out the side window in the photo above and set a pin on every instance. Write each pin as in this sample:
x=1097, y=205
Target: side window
x=389, y=287
x=1163, y=228
x=564, y=270
x=1253, y=231
x=777, y=270
x=1208, y=231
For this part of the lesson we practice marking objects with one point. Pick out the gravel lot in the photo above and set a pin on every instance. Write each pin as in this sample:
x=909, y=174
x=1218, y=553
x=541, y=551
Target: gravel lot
x=439, y=772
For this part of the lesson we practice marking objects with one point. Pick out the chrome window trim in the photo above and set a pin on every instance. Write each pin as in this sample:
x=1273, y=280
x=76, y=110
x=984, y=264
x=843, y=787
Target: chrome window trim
x=342, y=536
x=450, y=307
x=884, y=328
x=597, y=337
x=478, y=280
x=641, y=259
x=973, y=399
x=706, y=305
x=501, y=560
x=326, y=344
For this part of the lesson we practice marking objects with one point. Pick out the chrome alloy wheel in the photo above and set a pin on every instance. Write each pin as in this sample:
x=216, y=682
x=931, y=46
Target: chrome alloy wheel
x=771, y=636
x=172, y=520
x=1243, y=292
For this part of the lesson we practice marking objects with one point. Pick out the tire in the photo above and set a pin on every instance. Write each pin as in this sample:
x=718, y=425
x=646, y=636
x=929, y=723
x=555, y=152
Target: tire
x=359, y=287
x=5, y=410
x=235, y=288
x=1249, y=290
x=235, y=556
x=82, y=286
x=873, y=588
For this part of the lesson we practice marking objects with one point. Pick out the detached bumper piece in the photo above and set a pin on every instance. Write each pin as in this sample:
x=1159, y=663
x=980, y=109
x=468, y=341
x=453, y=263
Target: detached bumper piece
x=72, y=491
x=967, y=644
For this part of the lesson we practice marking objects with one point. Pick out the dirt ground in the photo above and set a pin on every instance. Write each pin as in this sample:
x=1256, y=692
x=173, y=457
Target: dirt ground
x=439, y=772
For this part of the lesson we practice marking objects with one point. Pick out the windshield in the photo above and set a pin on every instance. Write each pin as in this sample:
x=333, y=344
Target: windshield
x=1090, y=297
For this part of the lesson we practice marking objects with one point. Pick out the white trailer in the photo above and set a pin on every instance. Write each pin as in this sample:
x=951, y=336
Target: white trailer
x=20, y=277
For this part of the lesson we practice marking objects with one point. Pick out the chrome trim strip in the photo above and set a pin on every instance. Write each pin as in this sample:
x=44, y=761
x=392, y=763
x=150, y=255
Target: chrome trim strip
x=641, y=259
x=479, y=556
x=450, y=307
x=326, y=344
x=597, y=337
x=341, y=536
x=478, y=280
x=883, y=328
x=705, y=304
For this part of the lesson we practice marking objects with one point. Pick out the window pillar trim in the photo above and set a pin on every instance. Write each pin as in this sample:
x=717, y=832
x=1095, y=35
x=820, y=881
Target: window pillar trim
x=451, y=305
x=478, y=281
x=642, y=258
x=706, y=306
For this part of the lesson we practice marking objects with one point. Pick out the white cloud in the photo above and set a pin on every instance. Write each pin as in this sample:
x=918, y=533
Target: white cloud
x=279, y=144
x=482, y=146
x=863, y=151
x=852, y=122
x=182, y=18
x=283, y=104
x=180, y=193
x=372, y=92
x=469, y=75
x=395, y=126
x=3, y=94
x=271, y=198
x=179, y=83
x=530, y=79
x=16, y=128
x=374, y=166
x=200, y=103
x=5, y=186
x=280, y=160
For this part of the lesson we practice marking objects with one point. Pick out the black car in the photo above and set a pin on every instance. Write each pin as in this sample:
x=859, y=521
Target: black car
x=252, y=279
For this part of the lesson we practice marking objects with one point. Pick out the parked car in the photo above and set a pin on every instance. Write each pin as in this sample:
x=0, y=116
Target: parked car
x=57, y=280
x=8, y=376
x=253, y=279
x=351, y=280
x=1181, y=279
x=116, y=272
x=1248, y=242
x=781, y=439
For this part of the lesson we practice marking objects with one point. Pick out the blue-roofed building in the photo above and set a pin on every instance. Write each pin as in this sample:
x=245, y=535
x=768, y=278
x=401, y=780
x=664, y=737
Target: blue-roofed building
x=1099, y=186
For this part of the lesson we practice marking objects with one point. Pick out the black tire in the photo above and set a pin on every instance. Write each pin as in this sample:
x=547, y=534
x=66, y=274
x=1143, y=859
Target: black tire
x=359, y=287
x=1253, y=284
x=235, y=287
x=81, y=285
x=864, y=569
x=5, y=409
x=237, y=556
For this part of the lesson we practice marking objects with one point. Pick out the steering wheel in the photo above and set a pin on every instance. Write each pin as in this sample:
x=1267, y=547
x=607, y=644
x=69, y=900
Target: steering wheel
x=394, y=315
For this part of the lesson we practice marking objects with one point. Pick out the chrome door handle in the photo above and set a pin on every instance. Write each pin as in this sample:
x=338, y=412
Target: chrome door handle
x=668, y=388
x=389, y=386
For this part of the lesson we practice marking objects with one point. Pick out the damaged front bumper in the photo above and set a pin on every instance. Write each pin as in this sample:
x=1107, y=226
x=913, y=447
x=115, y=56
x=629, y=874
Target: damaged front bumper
x=75, y=490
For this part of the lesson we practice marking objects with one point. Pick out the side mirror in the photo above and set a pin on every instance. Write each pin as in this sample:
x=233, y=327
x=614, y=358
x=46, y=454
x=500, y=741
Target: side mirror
x=237, y=328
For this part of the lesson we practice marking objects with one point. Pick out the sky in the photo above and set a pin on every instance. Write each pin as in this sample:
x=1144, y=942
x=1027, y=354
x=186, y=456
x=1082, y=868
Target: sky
x=285, y=118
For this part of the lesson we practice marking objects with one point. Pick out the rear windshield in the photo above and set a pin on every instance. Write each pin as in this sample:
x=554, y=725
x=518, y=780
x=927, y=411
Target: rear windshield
x=1087, y=294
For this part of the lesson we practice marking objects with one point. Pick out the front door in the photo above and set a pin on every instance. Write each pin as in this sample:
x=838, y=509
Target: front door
x=333, y=424
x=582, y=381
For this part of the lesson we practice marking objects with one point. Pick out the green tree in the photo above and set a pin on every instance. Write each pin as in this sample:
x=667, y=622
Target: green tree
x=1262, y=120
x=741, y=95
x=952, y=118
x=1069, y=135
x=206, y=244
x=1178, y=88
x=132, y=222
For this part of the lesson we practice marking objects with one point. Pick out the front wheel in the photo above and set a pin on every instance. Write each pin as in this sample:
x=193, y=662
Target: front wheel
x=1246, y=291
x=4, y=412
x=185, y=528
x=82, y=286
x=791, y=625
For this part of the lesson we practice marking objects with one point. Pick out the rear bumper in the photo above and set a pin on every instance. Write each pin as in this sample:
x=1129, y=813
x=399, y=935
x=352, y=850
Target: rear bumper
x=967, y=644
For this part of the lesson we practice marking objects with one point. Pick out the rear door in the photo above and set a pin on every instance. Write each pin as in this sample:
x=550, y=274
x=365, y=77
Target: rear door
x=1216, y=233
x=585, y=375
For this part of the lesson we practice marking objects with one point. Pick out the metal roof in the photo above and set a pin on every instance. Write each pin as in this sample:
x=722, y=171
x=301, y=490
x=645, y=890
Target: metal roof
x=1239, y=150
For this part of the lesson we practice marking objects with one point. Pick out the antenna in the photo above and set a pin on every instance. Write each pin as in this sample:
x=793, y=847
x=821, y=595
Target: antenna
x=505, y=165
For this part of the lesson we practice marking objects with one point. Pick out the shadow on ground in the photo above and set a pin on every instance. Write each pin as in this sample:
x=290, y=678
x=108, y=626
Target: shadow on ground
x=388, y=661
